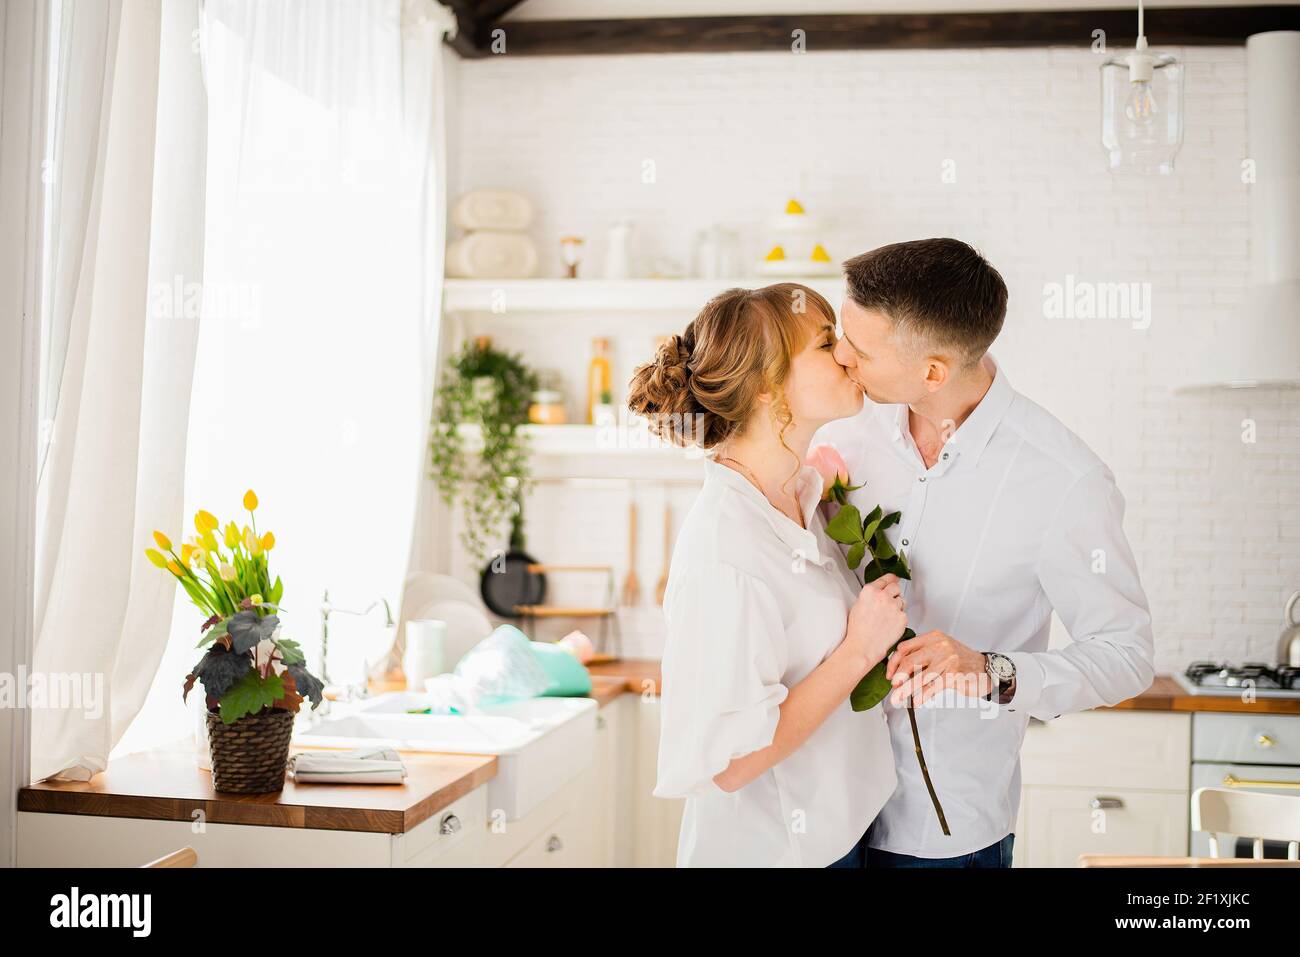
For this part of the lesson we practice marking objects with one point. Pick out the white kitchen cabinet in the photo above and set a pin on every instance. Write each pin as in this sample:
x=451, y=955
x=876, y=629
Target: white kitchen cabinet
x=657, y=821
x=79, y=840
x=1062, y=823
x=1104, y=782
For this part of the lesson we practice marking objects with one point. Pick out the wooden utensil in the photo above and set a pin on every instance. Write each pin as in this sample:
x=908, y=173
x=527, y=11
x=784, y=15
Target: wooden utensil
x=631, y=587
x=662, y=587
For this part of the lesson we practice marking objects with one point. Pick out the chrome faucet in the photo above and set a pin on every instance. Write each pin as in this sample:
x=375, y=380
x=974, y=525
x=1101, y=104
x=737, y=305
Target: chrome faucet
x=327, y=608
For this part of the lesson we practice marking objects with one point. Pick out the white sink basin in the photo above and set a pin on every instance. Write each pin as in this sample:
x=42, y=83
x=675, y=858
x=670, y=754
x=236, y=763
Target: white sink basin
x=541, y=744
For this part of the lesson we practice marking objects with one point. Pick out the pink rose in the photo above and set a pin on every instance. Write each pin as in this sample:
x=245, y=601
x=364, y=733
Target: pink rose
x=829, y=466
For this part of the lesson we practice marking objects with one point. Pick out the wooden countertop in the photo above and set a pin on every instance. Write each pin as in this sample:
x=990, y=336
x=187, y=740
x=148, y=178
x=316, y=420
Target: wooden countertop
x=169, y=786
x=637, y=675
x=1165, y=694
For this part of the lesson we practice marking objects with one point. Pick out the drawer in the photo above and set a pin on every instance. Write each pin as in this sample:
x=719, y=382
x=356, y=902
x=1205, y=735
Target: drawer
x=1246, y=738
x=1062, y=823
x=455, y=831
x=1114, y=749
x=556, y=846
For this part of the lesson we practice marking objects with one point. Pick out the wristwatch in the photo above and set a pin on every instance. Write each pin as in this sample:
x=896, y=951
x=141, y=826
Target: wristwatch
x=1002, y=671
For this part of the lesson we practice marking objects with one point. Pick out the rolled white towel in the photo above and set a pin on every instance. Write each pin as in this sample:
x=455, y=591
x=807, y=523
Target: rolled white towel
x=358, y=766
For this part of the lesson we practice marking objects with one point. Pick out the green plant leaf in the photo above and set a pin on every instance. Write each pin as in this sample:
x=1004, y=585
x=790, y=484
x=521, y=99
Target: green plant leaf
x=872, y=516
x=882, y=548
x=890, y=520
x=250, y=695
x=846, y=526
x=216, y=631
x=854, y=557
x=290, y=651
x=874, y=686
x=870, y=530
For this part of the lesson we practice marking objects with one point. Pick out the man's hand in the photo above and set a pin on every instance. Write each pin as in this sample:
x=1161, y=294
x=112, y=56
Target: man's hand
x=923, y=666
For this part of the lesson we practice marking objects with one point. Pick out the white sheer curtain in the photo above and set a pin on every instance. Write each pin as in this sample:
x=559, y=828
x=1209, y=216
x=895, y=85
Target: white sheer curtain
x=116, y=373
x=322, y=274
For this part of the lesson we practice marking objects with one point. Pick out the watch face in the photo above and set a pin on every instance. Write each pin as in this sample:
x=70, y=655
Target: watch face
x=1002, y=667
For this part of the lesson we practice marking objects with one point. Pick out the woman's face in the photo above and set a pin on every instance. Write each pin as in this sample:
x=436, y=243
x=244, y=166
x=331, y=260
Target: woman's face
x=818, y=389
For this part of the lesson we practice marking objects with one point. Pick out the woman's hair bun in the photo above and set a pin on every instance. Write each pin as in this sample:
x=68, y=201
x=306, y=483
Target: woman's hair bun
x=661, y=391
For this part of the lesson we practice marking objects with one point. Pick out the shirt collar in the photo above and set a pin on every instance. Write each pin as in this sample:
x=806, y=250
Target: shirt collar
x=973, y=435
x=809, y=486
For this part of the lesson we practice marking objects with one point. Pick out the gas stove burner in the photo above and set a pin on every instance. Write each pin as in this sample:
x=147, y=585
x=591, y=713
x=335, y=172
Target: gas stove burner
x=1212, y=677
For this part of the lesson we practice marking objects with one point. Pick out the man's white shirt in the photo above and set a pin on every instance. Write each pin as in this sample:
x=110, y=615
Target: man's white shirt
x=1017, y=518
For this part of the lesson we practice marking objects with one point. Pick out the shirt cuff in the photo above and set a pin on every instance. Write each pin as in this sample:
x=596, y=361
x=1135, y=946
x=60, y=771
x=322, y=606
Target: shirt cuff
x=1029, y=682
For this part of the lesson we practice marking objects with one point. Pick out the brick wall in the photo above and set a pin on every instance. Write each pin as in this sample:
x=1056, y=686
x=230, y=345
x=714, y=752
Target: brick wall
x=865, y=140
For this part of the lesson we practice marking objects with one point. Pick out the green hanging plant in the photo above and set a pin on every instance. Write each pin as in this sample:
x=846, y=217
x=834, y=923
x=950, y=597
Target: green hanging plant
x=492, y=389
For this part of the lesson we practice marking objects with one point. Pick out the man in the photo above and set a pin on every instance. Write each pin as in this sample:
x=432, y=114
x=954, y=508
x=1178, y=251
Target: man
x=1007, y=516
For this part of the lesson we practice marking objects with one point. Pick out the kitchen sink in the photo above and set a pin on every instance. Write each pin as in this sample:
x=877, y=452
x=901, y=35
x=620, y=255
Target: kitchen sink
x=540, y=743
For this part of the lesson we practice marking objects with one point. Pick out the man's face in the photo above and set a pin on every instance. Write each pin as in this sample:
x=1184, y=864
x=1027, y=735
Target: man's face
x=870, y=352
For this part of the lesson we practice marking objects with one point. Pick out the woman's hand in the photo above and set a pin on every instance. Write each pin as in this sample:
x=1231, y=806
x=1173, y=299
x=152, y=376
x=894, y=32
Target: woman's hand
x=876, y=621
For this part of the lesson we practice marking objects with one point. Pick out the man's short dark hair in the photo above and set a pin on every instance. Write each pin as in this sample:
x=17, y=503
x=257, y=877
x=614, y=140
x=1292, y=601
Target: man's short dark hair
x=940, y=290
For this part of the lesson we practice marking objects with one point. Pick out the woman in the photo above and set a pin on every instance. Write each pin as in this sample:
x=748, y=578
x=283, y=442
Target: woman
x=768, y=630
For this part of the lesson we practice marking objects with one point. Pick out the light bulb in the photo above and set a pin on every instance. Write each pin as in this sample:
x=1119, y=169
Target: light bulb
x=1140, y=106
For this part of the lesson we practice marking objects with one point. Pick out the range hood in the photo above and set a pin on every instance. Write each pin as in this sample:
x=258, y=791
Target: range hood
x=1261, y=346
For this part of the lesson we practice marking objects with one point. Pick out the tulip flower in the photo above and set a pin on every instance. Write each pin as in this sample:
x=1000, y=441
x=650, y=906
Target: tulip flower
x=163, y=541
x=227, y=572
x=232, y=535
x=204, y=521
x=268, y=542
x=250, y=500
x=187, y=554
x=175, y=569
x=156, y=557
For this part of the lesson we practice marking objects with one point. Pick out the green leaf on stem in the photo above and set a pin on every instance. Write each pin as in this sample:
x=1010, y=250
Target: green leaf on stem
x=250, y=695
x=846, y=526
x=854, y=557
x=874, y=686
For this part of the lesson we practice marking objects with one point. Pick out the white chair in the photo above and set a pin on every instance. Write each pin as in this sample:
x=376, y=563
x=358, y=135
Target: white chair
x=1251, y=814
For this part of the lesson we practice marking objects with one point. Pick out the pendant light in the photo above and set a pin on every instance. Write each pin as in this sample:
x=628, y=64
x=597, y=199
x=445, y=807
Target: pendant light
x=1142, y=108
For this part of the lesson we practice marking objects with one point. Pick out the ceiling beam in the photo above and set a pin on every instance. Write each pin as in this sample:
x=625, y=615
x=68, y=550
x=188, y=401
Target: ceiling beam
x=1166, y=26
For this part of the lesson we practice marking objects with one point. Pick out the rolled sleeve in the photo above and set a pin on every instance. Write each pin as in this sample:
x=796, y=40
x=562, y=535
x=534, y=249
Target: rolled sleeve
x=1087, y=571
x=722, y=667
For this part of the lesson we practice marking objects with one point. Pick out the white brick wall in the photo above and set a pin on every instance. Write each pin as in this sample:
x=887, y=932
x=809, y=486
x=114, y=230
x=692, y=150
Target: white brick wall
x=861, y=138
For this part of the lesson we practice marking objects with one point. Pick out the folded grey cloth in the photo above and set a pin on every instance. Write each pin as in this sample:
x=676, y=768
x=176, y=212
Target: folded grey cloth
x=359, y=766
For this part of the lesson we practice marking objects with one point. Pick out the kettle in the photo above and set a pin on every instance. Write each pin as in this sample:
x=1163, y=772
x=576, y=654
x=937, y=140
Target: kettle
x=1288, y=643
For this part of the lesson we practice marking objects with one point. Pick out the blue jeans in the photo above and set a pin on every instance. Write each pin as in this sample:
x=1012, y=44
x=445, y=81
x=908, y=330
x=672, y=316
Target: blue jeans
x=995, y=855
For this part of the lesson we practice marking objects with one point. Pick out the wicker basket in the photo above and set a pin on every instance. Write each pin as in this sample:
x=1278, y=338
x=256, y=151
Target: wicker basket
x=250, y=755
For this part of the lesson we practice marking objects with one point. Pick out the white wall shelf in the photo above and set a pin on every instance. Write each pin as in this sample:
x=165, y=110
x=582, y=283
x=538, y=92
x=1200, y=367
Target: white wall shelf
x=624, y=439
x=504, y=296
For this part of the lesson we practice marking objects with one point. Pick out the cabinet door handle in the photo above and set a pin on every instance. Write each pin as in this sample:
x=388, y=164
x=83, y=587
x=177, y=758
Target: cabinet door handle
x=1106, y=803
x=553, y=844
x=1264, y=741
x=449, y=824
x=1232, y=781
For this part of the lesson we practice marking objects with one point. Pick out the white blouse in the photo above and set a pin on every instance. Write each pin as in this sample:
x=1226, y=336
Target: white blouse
x=754, y=604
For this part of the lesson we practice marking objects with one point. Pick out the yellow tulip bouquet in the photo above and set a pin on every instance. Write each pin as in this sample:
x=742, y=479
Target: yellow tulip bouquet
x=248, y=669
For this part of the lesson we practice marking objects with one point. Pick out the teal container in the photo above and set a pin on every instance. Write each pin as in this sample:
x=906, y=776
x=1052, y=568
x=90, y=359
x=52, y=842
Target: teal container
x=568, y=677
